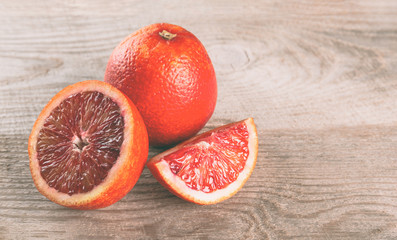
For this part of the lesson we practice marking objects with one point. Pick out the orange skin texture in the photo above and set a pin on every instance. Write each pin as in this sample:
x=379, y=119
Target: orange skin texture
x=129, y=168
x=172, y=82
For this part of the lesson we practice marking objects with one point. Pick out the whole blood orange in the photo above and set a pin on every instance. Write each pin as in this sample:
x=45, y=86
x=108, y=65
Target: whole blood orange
x=210, y=167
x=167, y=73
x=88, y=146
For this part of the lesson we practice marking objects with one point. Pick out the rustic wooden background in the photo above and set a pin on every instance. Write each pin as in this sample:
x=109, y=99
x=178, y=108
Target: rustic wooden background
x=319, y=77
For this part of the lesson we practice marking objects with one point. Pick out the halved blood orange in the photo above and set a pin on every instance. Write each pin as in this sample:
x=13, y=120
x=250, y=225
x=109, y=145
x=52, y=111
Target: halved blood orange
x=88, y=146
x=210, y=167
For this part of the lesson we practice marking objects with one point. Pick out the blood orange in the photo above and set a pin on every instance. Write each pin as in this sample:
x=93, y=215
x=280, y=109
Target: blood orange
x=88, y=146
x=210, y=167
x=167, y=73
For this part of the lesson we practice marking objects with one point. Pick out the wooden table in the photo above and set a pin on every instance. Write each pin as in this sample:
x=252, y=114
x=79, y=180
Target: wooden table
x=319, y=77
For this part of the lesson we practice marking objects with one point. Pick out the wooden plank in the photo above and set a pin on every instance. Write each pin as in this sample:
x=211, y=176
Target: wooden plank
x=317, y=76
x=307, y=184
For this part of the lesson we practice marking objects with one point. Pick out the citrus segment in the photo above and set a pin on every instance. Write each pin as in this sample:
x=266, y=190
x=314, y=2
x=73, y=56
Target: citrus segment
x=88, y=146
x=210, y=167
x=213, y=161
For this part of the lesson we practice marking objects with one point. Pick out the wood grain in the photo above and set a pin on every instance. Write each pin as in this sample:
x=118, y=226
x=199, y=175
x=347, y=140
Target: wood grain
x=319, y=77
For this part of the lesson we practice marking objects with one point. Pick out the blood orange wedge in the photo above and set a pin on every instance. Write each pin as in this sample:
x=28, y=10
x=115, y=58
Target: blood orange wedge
x=88, y=146
x=210, y=167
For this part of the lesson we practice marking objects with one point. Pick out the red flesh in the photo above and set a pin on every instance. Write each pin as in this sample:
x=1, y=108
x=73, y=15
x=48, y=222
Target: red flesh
x=213, y=161
x=80, y=142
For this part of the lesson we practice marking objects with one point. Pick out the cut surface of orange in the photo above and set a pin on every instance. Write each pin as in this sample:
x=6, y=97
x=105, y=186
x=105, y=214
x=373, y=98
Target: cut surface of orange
x=88, y=146
x=210, y=167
